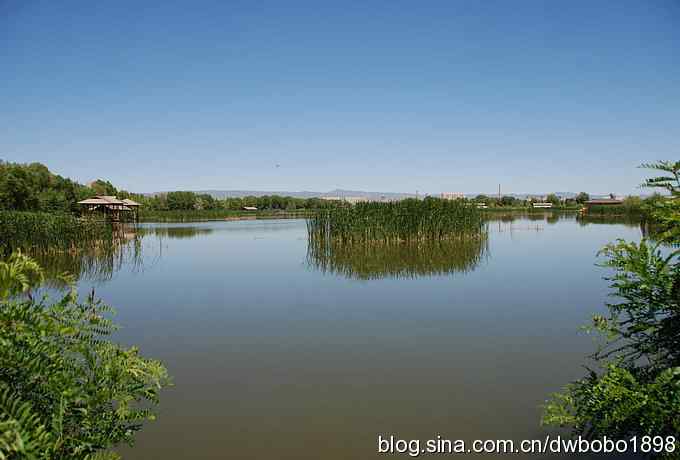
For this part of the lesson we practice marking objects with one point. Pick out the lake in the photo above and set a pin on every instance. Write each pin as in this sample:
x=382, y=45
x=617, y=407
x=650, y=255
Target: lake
x=276, y=355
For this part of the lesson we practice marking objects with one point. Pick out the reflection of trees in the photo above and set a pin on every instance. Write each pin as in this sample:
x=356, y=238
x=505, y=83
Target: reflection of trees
x=397, y=260
x=627, y=221
x=175, y=232
x=550, y=217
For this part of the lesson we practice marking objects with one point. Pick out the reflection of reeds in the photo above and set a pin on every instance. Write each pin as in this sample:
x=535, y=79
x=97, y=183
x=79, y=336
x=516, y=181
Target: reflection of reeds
x=81, y=249
x=376, y=260
x=404, y=221
x=94, y=264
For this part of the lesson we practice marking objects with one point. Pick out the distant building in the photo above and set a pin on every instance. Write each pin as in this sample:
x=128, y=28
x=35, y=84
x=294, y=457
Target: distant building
x=534, y=198
x=452, y=196
x=249, y=208
x=542, y=205
x=482, y=205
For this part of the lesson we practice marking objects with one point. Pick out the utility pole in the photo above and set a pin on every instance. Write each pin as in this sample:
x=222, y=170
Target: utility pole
x=499, y=192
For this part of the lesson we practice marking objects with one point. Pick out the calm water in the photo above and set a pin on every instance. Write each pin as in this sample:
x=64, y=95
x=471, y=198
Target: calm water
x=275, y=357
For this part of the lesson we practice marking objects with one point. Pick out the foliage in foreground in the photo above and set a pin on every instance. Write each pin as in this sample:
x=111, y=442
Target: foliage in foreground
x=65, y=391
x=635, y=391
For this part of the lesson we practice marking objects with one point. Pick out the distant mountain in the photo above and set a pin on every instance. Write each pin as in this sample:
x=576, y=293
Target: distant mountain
x=221, y=194
x=342, y=193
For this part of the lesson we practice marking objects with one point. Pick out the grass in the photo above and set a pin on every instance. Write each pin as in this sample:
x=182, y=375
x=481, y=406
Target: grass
x=29, y=231
x=408, y=220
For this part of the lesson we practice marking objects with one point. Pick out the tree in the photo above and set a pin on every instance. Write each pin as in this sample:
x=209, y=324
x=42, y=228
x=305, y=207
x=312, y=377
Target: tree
x=666, y=211
x=554, y=199
x=508, y=200
x=65, y=391
x=181, y=200
x=102, y=187
x=635, y=388
x=32, y=187
x=582, y=197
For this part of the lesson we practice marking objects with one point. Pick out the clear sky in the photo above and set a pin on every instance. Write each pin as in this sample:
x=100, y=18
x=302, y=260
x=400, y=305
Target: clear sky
x=391, y=95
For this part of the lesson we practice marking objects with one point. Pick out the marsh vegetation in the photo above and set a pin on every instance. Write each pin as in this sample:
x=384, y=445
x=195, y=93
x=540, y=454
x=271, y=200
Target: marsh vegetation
x=29, y=231
x=411, y=220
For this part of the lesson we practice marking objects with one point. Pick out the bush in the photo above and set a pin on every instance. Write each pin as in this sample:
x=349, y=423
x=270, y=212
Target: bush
x=65, y=391
x=635, y=391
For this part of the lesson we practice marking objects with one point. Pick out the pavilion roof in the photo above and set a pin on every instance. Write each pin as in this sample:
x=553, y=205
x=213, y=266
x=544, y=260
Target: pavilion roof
x=108, y=200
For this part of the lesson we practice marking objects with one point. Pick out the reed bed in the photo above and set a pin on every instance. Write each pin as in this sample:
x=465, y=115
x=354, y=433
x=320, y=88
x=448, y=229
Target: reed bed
x=409, y=220
x=28, y=231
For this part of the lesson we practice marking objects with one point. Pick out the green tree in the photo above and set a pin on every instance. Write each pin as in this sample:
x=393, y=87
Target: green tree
x=554, y=199
x=507, y=200
x=180, y=200
x=65, y=391
x=582, y=197
x=635, y=388
x=666, y=211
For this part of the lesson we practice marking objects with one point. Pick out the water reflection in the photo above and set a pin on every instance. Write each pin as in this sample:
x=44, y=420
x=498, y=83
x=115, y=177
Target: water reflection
x=368, y=261
x=96, y=263
x=626, y=221
x=136, y=247
x=179, y=232
x=549, y=217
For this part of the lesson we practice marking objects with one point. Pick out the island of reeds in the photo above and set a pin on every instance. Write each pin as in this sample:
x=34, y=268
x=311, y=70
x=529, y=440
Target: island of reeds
x=410, y=220
x=401, y=239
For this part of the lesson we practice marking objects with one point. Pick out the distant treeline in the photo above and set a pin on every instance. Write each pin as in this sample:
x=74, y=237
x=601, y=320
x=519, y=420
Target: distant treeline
x=32, y=187
x=185, y=201
x=194, y=215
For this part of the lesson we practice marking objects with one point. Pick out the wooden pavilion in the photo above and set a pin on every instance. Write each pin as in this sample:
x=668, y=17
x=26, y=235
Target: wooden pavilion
x=113, y=207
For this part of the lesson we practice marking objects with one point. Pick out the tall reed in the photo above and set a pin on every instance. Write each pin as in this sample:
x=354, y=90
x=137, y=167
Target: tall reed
x=409, y=220
x=29, y=231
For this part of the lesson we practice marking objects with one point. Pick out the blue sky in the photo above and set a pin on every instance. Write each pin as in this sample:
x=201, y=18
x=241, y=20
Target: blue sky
x=374, y=95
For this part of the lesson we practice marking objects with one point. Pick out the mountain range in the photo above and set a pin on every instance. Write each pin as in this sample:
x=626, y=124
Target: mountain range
x=222, y=194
